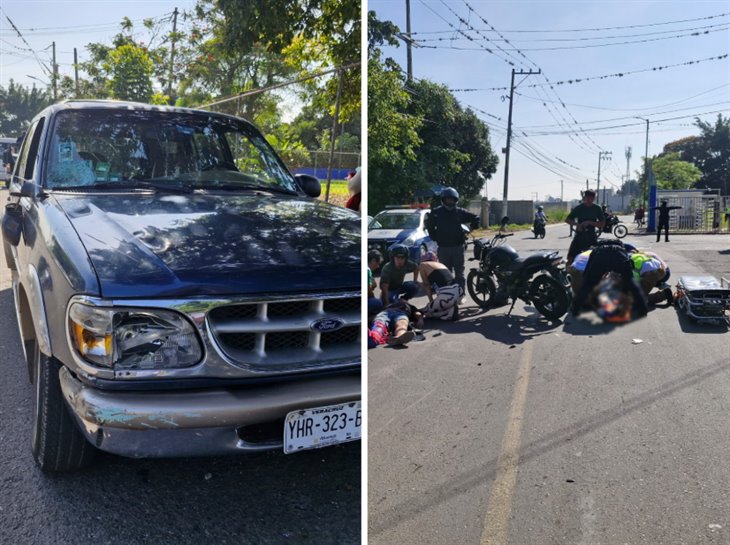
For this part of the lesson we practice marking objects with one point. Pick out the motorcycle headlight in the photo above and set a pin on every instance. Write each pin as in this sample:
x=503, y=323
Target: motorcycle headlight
x=133, y=338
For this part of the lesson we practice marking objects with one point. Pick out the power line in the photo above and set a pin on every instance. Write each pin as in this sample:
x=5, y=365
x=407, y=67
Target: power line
x=585, y=38
x=575, y=80
x=597, y=29
x=647, y=40
x=43, y=66
x=643, y=109
x=551, y=133
x=631, y=117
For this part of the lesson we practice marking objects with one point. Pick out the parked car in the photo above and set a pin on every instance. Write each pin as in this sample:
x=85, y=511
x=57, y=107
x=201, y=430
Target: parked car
x=400, y=226
x=178, y=291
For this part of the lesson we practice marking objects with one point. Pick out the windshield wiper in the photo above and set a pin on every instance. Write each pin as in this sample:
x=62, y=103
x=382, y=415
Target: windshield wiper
x=243, y=187
x=137, y=184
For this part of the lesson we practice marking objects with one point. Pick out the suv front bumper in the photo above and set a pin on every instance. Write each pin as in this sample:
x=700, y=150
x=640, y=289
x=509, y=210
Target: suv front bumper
x=196, y=422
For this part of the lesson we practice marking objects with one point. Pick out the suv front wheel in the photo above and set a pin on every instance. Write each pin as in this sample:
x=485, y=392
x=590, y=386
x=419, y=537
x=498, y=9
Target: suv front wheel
x=58, y=445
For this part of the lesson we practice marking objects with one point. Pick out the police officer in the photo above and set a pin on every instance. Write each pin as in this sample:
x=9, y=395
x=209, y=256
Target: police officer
x=444, y=226
x=663, y=210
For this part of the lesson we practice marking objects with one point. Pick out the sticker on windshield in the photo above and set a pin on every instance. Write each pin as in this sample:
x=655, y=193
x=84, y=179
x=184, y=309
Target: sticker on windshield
x=66, y=152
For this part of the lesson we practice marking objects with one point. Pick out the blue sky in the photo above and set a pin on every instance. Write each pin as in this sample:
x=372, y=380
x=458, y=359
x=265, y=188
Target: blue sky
x=554, y=131
x=70, y=24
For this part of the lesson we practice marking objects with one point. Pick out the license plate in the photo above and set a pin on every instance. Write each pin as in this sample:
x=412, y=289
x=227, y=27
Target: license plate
x=322, y=426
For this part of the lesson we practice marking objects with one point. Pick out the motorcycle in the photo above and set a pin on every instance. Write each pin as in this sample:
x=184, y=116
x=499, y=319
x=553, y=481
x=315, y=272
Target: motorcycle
x=539, y=279
x=614, y=225
x=538, y=228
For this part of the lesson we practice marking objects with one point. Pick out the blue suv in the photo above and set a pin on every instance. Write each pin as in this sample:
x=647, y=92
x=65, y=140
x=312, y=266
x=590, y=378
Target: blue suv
x=178, y=291
x=400, y=226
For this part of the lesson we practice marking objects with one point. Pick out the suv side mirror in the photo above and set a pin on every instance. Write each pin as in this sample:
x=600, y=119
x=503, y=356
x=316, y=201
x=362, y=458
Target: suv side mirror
x=26, y=190
x=309, y=184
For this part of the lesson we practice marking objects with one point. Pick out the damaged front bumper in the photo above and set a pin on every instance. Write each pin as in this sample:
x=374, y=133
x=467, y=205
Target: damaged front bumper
x=197, y=422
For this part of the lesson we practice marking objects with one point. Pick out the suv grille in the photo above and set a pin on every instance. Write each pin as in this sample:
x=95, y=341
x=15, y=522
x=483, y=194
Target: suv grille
x=279, y=336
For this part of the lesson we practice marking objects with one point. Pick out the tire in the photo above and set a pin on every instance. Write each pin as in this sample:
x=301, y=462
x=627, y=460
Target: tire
x=550, y=298
x=58, y=444
x=620, y=231
x=481, y=288
x=542, y=234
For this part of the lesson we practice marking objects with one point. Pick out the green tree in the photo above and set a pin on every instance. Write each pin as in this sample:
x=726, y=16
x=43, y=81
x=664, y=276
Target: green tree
x=130, y=69
x=673, y=173
x=455, y=143
x=710, y=152
x=18, y=106
x=392, y=137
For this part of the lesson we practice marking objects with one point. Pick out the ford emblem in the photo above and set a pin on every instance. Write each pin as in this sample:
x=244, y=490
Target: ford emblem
x=326, y=324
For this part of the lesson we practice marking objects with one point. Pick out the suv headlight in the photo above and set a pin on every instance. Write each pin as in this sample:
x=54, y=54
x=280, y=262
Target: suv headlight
x=133, y=338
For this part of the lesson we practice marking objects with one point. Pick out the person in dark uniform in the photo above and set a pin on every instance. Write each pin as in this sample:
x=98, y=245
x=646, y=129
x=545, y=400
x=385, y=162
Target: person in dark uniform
x=610, y=256
x=443, y=224
x=664, y=219
x=587, y=217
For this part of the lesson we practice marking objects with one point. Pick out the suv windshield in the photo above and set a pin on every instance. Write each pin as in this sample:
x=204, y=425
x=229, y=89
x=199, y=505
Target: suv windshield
x=96, y=147
x=389, y=220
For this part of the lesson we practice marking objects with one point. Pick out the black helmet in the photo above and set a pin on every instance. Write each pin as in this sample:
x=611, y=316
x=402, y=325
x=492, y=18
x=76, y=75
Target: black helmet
x=449, y=193
x=502, y=256
x=399, y=250
x=539, y=207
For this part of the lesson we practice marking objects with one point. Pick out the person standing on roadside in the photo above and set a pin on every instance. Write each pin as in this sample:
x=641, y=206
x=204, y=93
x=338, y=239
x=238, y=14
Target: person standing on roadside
x=588, y=219
x=443, y=224
x=663, y=219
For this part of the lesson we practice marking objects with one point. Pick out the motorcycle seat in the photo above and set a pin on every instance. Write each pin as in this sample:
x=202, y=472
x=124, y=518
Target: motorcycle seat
x=534, y=259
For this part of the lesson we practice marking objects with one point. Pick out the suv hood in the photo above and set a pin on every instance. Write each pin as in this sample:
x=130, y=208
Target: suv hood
x=215, y=244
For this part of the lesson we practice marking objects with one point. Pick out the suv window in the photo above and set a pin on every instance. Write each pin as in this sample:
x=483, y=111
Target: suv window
x=90, y=147
x=29, y=151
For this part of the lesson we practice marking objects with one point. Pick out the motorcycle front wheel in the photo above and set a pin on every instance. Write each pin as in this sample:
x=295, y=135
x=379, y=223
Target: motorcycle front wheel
x=550, y=298
x=620, y=231
x=481, y=288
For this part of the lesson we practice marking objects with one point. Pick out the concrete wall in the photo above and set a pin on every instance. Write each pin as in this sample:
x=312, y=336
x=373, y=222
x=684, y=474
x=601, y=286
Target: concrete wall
x=518, y=211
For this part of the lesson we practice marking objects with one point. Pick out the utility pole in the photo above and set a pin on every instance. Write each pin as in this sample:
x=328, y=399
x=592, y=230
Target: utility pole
x=172, y=57
x=628, y=174
x=601, y=154
x=76, y=72
x=509, y=136
x=561, y=190
x=54, y=76
x=335, y=121
x=409, y=55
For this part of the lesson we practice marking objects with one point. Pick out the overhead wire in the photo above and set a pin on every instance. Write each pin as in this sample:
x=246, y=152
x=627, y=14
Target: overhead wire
x=644, y=25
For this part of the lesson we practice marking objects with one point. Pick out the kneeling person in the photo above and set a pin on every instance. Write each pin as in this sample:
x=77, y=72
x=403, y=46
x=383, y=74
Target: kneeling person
x=438, y=278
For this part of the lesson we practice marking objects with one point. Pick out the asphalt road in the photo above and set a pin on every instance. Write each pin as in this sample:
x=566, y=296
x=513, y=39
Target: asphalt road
x=265, y=498
x=496, y=430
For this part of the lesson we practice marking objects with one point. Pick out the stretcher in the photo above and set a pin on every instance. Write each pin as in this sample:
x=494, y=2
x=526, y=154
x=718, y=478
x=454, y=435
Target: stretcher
x=704, y=299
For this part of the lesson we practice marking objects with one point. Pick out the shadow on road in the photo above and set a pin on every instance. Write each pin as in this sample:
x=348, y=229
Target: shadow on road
x=457, y=485
x=496, y=326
